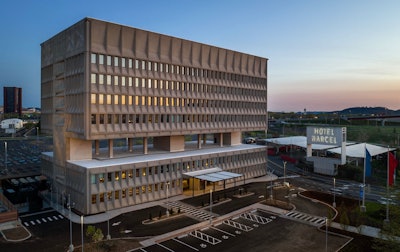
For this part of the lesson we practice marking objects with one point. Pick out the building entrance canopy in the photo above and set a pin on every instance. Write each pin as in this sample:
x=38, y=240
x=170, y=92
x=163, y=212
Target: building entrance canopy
x=212, y=174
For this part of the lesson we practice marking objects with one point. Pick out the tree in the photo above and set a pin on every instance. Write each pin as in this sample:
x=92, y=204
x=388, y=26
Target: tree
x=94, y=233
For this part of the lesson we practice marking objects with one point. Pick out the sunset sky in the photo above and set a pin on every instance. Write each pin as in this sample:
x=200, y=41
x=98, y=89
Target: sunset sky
x=323, y=55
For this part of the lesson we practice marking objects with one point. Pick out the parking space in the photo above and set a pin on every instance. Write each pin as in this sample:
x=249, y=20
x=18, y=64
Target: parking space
x=220, y=234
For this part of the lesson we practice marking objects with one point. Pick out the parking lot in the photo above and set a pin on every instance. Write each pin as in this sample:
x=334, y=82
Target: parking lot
x=257, y=230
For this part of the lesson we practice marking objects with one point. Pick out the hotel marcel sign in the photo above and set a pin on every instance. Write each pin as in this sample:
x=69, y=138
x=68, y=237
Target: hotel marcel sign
x=331, y=137
x=326, y=135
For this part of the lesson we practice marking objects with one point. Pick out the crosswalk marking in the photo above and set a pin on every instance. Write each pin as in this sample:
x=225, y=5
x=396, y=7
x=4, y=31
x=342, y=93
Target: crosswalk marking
x=189, y=210
x=43, y=220
x=313, y=220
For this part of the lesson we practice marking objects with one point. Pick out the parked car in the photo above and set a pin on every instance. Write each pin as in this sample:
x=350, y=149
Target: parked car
x=249, y=140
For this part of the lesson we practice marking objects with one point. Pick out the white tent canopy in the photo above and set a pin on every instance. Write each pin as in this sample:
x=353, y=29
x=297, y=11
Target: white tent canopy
x=300, y=141
x=358, y=150
x=352, y=150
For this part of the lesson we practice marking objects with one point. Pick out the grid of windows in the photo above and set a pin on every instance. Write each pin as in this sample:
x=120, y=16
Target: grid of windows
x=138, y=177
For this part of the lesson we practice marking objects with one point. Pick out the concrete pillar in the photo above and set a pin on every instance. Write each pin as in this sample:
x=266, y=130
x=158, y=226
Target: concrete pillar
x=199, y=141
x=130, y=144
x=96, y=147
x=204, y=139
x=145, y=147
x=221, y=139
x=110, y=148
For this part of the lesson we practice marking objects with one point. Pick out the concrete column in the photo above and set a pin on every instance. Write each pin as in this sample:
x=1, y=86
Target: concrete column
x=199, y=141
x=145, y=147
x=110, y=148
x=130, y=144
x=221, y=139
x=96, y=147
x=204, y=139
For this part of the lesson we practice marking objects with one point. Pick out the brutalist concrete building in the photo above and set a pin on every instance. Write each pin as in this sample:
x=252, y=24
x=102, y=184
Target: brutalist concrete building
x=138, y=116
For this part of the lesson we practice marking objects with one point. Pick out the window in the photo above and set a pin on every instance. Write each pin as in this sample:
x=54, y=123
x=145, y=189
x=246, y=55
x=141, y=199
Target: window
x=109, y=99
x=101, y=99
x=101, y=79
x=116, y=99
x=109, y=177
x=130, y=63
x=143, y=65
x=130, y=81
x=93, y=58
x=116, y=175
x=123, y=99
x=123, y=81
x=108, y=60
x=93, y=179
x=108, y=79
x=93, y=78
x=123, y=62
x=93, y=99
x=93, y=117
x=101, y=59
x=116, y=79
x=116, y=61
x=101, y=119
x=94, y=198
x=130, y=173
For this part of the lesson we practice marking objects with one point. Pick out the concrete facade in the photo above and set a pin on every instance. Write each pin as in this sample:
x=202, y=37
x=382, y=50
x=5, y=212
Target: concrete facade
x=113, y=93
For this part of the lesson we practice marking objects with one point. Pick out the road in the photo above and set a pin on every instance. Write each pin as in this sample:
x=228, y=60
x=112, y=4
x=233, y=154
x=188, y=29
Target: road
x=313, y=181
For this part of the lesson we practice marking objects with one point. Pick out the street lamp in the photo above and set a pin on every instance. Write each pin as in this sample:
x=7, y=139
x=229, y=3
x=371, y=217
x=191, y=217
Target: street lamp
x=82, y=230
x=334, y=192
x=71, y=246
x=326, y=233
x=5, y=155
x=210, y=206
x=108, y=219
x=167, y=198
x=284, y=172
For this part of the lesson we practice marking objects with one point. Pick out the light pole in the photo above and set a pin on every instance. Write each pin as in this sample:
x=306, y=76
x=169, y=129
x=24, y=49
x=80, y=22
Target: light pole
x=167, y=199
x=108, y=219
x=326, y=233
x=71, y=246
x=284, y=172
x=210, y=206
x=82, y=230
x=5, y=155
x=334, y=192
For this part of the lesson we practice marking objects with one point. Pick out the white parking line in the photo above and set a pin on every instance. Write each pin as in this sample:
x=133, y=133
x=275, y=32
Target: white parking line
x=165, y=247
x=26, y=224
x=187, y=245
x=222, y=231
x=44, y=220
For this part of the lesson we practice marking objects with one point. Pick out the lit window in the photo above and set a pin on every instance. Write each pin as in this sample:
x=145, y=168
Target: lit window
x=93, y=99
x=101, y=177
x=116, y=80
x=116, y=176
x=130, y=81
x=155, y=66
x=101, y=79
x=101, y=59
x=109, y=99
x=101, y=99
x=94, y=198
x=130, y=100
x=108, y=60
x=123, y=81
x=116, y=61
x=108, y=79
x=123, y=99
x=93, y=78
x=123, y=62
x=143, y=65
x=130, y=63
x=149, y=66
x=136, y=82
x=93, y=58
x=130, y=191
x=116, y=99
x=149, y=83
x=143, y=82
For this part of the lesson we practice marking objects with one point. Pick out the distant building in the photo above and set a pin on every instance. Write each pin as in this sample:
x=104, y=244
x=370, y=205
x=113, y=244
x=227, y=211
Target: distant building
x=105, y=86
x=12, y=100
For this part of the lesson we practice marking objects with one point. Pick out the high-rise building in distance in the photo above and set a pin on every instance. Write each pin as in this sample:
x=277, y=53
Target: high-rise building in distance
x=12, y=100
x=138, y=116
